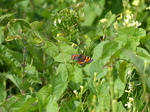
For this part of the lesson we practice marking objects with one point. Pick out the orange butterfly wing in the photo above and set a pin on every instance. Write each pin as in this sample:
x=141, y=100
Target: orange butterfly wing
x=81, y=59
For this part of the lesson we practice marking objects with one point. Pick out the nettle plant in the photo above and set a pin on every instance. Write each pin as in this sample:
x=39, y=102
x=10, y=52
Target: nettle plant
x=37, y=73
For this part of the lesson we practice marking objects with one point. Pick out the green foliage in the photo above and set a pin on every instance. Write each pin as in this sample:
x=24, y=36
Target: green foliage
x=38, y=38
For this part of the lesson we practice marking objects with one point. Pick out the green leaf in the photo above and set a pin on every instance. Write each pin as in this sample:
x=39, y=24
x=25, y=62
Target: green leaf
x=131, y=32
x=52, y=105
x=90, y=16
x=1, y=34
x=2, y=93
x=36, y=25
x=15, y=79
x=139, y=103
x=146, y=83
x=47, y=101
x=71, y=106
x=50, y=49
x=8, y=57
x=124, y=68
x=119, y=87
x=143, y=54
x=5, y=16
x=92, y=11
x=98, y=50
x=32, y=74
x=120, y=107
x=16, y=106
x=132, y=43
x=13, y=37
x=98, y=9
x=121, y=40
x=30, y=105
x=148, y=24
x=147, y=44
x=63, y=69
x=77, y=78
x=136, y=61
x=15, y=103
x=109, y=49
x=30, y=69
x=63, y=57
x=66, y=52
x=61, y=38
x=96, y=67
x=110, y=17
x=59, y=81
x=43, y=96
x=101, y=100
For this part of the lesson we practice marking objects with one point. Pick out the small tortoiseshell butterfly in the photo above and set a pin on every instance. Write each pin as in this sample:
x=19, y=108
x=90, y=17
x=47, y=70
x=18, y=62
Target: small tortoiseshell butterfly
x=81, y=59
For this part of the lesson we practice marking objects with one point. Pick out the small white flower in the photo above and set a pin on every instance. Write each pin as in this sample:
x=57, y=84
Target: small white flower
x=129, y=104
x=135, y=24
x=103, y=20
x=128, y=16
x=129, y=72
x=126, y=22
x=59, y=21
x=130, y=99
x=55, y=22
x=130, y=87
x=126, y=91
x=128, y=12
x=116, y=26
x=148, y=8
x=74, y=91
x=136, y=2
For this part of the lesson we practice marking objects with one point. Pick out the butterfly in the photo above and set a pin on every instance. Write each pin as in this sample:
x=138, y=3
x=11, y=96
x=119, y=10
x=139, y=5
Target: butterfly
x=81, y=59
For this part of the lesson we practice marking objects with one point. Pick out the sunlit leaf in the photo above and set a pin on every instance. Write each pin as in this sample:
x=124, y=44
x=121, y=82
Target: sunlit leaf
x=16, y=80
x=77, y=78
x=43, y=96
x=97, y=68
x=8, y=57
x=50, y=49
x=66, y=52
x=3, y=93
x=109, y=49
x=110, y=18
x=136, y=61
x=36, y=25
x=143, y=54
x=119, y=87
x=59, y=82
x=148, y=24
x=131, y=32
x=98, y=50
x=1, y=34
x=71, y=105
x=147, y=44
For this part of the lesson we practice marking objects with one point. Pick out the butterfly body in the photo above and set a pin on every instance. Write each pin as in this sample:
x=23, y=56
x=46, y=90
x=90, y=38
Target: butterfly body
x=81, y=59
